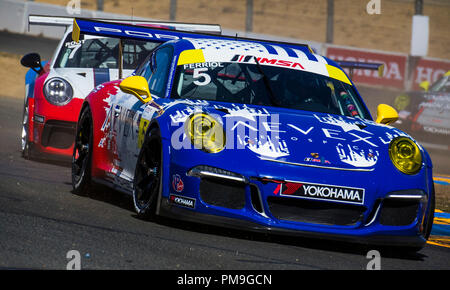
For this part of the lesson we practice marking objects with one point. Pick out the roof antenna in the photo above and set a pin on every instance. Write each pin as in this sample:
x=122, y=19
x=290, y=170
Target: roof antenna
x=236, y=35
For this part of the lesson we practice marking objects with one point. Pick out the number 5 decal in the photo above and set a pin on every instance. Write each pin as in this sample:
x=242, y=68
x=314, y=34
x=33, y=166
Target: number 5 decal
x=200, y=72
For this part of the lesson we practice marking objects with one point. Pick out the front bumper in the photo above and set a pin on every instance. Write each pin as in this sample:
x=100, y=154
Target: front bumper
x=395, y=218
x=54, y=129
x=387, y=238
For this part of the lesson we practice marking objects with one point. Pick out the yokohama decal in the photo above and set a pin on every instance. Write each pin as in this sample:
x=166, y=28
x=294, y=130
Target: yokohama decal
x=182, y=201
x=322, y=192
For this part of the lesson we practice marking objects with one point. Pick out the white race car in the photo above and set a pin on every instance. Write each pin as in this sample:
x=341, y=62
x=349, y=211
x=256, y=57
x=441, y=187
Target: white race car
x=55, y=89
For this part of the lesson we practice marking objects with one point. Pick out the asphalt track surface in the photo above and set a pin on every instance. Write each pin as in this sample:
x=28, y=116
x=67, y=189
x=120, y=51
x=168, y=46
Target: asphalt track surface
x=41, y=220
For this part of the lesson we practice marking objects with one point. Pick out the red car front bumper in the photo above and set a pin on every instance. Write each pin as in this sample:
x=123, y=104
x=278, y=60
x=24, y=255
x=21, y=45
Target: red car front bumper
x=52, y=128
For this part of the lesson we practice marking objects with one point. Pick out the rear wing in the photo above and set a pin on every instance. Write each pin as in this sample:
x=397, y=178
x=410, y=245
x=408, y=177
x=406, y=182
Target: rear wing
x=352, y=65
x=126, y=31
x=82, y=26
x=67, y=21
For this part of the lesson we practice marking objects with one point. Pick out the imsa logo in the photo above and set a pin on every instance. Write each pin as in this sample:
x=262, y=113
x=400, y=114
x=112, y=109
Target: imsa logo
x=323, y=192
x=263, y=60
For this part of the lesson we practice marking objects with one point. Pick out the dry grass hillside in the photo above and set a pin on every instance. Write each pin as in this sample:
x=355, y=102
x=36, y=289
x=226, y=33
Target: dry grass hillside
x=12, y=78
x=304, y=19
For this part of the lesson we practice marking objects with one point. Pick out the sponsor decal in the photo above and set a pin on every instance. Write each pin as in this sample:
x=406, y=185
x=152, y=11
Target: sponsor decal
x=136, y=33
x=211, y=64
x=435, y=130
x=322, y=192
x=182, y=201
x=264, y=60
x=357, y=157
x=315, y=158
x=177, y=183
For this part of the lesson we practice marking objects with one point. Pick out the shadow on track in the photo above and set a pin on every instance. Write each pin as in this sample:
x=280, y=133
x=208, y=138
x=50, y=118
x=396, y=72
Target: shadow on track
x=303, y=242
x=108, y=195
x=124, y=201
x=48, y=159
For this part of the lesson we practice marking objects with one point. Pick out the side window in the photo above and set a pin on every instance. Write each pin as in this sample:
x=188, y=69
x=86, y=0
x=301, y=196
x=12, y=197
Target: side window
x=146, y=71
x=160, y=63
x=136, y=51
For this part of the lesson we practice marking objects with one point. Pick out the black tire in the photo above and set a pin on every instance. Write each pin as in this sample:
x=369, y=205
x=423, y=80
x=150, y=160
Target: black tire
x=26, y=147
x=148, y=176
x=82, y=154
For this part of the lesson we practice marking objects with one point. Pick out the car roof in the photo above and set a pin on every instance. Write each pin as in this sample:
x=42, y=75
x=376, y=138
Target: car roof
x=241, y=50
x=246, y=47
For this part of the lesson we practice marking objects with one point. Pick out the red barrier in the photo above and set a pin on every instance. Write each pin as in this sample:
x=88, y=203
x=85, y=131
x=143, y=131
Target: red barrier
x=396, y=67
x=429, y=69
x=394, y=70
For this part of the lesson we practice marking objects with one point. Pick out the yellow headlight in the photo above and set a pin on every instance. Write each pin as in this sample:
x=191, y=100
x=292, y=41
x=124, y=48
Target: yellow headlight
x=205, y=133
x=405, y=155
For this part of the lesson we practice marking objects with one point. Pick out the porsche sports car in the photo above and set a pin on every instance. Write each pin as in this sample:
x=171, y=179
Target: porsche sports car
x=255, y=135
x=55, y=90
x=427, y=113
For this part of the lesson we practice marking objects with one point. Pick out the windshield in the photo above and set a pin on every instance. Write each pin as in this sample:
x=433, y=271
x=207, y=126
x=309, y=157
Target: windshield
x=442, y=85
x=267, y=86
x=102, y=52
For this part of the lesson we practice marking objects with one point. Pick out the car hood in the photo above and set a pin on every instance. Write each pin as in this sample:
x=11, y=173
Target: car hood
x=296, y=137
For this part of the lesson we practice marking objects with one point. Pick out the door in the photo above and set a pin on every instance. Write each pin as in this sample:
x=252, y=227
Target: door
x=128, y=124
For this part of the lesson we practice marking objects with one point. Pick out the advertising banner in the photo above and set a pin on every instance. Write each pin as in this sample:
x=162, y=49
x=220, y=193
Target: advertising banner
x=429, y=69
x=394, y=66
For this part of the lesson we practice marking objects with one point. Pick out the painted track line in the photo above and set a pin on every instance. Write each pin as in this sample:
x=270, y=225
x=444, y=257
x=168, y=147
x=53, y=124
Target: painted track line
x=440, y=233
x=441, y=179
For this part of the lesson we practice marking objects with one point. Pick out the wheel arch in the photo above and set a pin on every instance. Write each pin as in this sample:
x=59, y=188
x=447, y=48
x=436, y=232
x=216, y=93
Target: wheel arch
x=165, y=155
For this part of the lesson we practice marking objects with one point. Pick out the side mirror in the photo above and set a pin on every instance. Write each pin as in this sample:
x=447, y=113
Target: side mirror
x=425, y=85
x=386, y=114
x=137, y=86
x=33, y=61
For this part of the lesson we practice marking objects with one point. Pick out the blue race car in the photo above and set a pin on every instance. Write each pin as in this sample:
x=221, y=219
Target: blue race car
x=254, y=135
